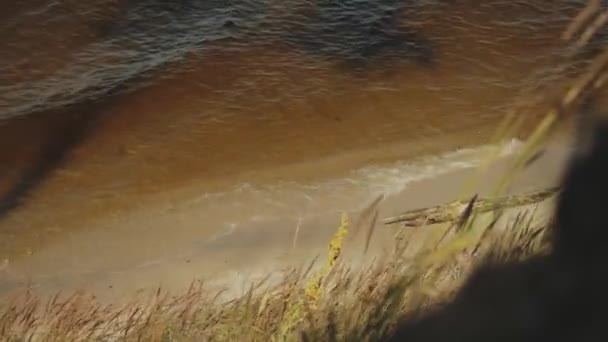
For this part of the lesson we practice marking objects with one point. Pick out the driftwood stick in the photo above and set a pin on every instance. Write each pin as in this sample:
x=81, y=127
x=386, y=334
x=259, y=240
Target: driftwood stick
x=452, y=211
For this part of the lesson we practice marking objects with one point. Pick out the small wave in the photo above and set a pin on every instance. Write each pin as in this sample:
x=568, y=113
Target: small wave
x=229, y=230
x=395, y=178
x=247, y=203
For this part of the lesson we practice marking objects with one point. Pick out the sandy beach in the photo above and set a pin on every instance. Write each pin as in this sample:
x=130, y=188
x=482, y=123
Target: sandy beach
x=167, y=242
x=140, y=149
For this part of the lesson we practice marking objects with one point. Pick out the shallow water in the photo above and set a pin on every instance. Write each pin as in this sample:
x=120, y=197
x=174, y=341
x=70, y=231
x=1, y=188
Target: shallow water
x=115, y=105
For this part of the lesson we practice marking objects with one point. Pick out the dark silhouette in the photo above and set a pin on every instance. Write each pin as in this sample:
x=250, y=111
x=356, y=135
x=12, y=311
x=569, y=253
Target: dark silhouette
x=562, y=296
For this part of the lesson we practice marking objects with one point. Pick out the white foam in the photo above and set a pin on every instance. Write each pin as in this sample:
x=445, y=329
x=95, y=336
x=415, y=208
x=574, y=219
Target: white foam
x=288, y=199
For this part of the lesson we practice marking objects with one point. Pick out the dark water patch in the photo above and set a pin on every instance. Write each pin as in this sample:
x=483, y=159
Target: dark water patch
x=360, y=33
x=68, y=131
x=153, y=25
x=66, y=128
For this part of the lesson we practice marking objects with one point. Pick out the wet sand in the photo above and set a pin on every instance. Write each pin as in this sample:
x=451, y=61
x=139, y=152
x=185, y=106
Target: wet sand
x=155, y=245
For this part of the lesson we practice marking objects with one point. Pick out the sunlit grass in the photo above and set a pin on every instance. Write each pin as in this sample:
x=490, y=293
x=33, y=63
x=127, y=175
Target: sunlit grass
x=336, y=301
x=339, y=301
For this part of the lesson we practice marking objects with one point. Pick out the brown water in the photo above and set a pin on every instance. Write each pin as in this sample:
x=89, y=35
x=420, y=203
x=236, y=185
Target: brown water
x=214, y=112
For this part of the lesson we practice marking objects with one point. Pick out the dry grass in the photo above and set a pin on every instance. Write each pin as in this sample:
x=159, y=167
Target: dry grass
x=335, y=303
x=338, y=302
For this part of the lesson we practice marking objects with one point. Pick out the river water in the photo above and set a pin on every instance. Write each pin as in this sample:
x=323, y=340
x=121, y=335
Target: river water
x=250, y=108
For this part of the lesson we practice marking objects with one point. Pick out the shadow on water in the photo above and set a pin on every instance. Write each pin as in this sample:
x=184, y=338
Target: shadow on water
x=182, y=24
x=352, y=31
x=359, y=33
x=67, y=131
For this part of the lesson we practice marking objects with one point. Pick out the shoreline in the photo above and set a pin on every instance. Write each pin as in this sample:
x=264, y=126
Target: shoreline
x=113, y=261
x=76, y=206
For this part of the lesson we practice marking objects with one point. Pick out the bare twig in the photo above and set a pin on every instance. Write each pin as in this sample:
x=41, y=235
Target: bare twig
x=453, y=211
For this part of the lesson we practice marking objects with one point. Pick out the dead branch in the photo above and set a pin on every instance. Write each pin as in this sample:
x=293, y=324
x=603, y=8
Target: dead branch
x=452, y=211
